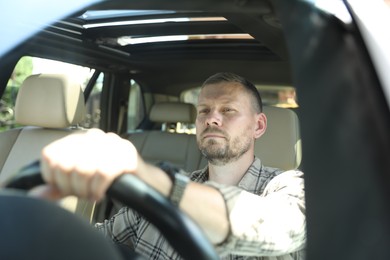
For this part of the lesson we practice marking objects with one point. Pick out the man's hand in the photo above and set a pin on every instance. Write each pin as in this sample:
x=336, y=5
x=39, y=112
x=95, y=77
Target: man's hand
x=86, y=164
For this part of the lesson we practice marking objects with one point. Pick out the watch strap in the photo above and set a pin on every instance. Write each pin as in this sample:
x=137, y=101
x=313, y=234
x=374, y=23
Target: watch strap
x=179, y=181
x=178, y=188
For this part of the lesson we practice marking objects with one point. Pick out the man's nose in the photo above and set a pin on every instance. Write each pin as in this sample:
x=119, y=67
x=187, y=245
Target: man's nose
x=213, y=119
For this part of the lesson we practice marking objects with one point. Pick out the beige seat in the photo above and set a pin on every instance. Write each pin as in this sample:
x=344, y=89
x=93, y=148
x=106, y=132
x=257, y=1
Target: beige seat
x=49, y=107
x=280, y=146
x=160, y=145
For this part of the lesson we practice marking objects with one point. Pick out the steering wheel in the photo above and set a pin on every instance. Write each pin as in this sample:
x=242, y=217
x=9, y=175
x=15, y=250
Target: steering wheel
x=179, y=230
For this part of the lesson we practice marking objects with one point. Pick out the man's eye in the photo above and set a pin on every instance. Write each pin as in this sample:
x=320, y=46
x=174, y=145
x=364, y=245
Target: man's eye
x=203, y=111
x=227, y=109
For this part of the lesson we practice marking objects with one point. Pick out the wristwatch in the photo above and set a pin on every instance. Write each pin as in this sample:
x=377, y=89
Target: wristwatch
x=179, y=182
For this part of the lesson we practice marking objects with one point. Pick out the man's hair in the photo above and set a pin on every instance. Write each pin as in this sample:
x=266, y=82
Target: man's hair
x=231, y=77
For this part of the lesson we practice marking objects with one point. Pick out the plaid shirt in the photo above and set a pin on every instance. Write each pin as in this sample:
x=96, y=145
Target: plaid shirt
x=266, y=211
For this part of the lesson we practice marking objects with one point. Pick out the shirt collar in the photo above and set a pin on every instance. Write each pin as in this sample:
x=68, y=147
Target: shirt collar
x=248, y=182
x=250, y=179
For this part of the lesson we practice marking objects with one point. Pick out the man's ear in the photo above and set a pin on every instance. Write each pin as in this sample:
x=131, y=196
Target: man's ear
x=261, y=125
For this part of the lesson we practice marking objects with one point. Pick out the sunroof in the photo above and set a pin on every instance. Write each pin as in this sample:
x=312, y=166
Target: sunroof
x=128, y=40
x=104, y=14
x=138, y=18
x=153, y=21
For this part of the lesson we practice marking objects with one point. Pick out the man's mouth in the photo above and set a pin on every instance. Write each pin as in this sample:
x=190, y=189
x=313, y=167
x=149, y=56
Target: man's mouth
x=213, y=133
x=210, y=135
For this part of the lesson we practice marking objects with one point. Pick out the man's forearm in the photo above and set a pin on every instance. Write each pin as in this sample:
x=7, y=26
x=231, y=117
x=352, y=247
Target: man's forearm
x=207, y=207
x=204, y=204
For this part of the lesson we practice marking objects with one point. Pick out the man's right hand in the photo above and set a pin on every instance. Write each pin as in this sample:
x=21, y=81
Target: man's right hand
x=85, y=164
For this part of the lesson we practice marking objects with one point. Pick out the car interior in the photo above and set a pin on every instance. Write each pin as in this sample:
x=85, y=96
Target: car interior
x=145, y=62
x=216, y=42
x=280, y=147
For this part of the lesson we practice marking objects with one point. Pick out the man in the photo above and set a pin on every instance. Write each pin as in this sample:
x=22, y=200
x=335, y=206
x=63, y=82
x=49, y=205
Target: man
x=245, y=208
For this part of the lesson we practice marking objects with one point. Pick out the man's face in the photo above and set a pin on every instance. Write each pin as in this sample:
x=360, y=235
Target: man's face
x=226, y=124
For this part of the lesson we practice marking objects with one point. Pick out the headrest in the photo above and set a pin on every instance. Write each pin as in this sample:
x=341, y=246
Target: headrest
x=173, y=112
x=49, y=100
x=280, y=146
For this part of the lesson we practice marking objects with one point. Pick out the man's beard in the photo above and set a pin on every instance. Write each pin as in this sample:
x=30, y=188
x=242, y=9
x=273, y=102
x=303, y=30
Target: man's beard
x=218, y=153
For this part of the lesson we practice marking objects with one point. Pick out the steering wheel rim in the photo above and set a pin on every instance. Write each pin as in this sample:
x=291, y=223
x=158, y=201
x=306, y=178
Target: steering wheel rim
x=178, y=229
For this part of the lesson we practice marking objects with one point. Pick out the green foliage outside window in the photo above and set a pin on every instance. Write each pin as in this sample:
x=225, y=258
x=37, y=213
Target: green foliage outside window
x=22, y=70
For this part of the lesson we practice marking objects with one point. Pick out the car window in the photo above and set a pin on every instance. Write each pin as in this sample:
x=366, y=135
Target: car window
x=93, y=114
x=136, y=108
x=27, y=66
x=22, y=70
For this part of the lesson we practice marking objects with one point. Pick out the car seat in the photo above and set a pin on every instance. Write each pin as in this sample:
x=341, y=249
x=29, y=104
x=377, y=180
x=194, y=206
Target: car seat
x=49, y=107
x=179, y=149
x=280, y=146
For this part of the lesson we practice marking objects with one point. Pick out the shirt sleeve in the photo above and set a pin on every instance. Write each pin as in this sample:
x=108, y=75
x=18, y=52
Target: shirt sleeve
x=270, y=224
x=121, y=228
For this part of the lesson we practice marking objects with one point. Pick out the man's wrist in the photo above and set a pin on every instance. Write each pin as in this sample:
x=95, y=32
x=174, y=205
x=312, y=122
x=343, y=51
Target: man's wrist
x=178, y=188
x=179, y=182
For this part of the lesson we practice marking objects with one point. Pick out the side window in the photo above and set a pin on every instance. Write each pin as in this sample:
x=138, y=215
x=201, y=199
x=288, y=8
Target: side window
x=92, y=118
x=22, y=70
x=136, y=108
x=27, y=66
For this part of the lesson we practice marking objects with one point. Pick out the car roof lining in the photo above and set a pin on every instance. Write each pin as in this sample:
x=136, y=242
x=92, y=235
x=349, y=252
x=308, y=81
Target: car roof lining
x=264, y=59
